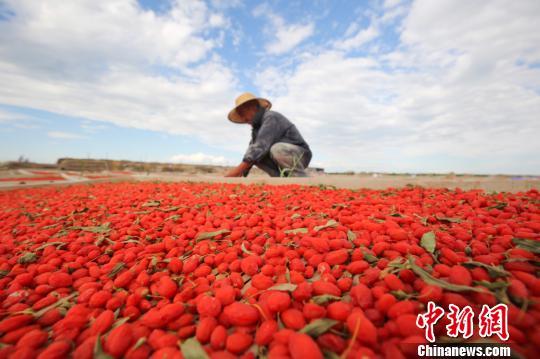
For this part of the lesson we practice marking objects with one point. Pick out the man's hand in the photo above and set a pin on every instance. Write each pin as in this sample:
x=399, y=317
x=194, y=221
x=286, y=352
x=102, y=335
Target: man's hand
x=239, y=170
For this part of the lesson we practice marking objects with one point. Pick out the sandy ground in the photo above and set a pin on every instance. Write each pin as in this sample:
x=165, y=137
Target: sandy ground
x=379, y=181
x=490, y=183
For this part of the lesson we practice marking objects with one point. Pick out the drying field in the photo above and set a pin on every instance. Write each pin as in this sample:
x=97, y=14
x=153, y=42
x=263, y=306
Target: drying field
x=225, y=270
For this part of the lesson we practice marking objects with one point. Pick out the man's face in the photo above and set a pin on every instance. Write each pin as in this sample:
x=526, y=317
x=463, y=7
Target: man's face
x=247, y=111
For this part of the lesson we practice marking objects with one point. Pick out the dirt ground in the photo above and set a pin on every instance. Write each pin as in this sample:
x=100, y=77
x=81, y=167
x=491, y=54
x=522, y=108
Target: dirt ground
x=488, y=183
x=8, y=180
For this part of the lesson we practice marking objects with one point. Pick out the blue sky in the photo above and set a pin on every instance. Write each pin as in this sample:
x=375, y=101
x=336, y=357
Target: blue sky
x=378, y=85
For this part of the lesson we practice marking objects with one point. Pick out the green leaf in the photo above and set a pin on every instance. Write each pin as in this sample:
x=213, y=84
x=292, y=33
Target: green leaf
x=131, y=241
x=27, y=257
x=423, y=220
x=243, y=248
x=3, y=273
x=154, y=262
x=325, y=187
x=62, y=302
x=79, y=211
x=119, y=322
x=296, y=231
x=139, y=343
x=498, y=289
x=330, y=224
x=401, y=295
x=370, y=258
x=429, y=279
x=330, y=355
x=284, y=287
x=500, y=205
x=528, y=244
x=117, y=268
x=493, y=271
x=318, y=327
x=192, y=349
x=262, y=354
x=351, y=236
x=104, y=228
x=448, y=219
x=102, y=239
x=255, y=350
x=207, y=235
x=492, y=285
x=152, y=204
x=296, y=215
x=170, y=209
x=324, y=298
x=60, y=233
x=98, y=350
x=397, y=263
x=50, y=226
x=140, y=212
x=315, y=277
x=428, y=242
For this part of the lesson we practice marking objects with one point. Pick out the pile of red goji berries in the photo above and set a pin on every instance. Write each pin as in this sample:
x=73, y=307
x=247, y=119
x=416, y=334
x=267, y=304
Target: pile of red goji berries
x=194, y=270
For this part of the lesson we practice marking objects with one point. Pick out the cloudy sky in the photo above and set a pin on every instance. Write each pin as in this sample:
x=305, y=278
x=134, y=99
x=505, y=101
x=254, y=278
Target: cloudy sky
x=396, y=86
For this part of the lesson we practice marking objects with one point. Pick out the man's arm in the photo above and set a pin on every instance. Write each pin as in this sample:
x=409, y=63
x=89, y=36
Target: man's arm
x=239, y=170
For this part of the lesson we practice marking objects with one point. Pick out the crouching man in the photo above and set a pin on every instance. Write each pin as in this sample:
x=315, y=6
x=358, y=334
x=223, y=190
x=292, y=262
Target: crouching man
x=276, y=145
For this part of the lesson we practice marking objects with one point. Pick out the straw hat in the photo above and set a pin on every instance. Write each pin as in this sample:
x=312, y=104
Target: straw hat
x=242, y=99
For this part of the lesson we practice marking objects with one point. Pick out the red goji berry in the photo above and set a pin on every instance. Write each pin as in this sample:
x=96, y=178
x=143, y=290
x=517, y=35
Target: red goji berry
x=241, y=314
x=303, y=346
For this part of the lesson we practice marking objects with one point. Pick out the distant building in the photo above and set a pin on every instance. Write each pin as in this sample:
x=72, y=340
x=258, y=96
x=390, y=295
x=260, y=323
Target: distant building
x=89, y=165
x=98, y=165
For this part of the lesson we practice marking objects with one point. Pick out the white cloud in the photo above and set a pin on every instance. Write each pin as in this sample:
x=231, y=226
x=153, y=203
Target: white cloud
x=357, y=40
x=225, y=4
x=284, y=37
x=236, y=36
x=114, y=62
x=200, y=158
x=393, y=14
x=10, y=117
x=64, y=135
x=19, y=120
x=217, y=20
x=288, y=37
x=391, y=3
x=116, y=31
x=93, y=126
x=27, y=126
x=459, y=93
x=271, y=80
x=353, y=27
x=4, y=118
